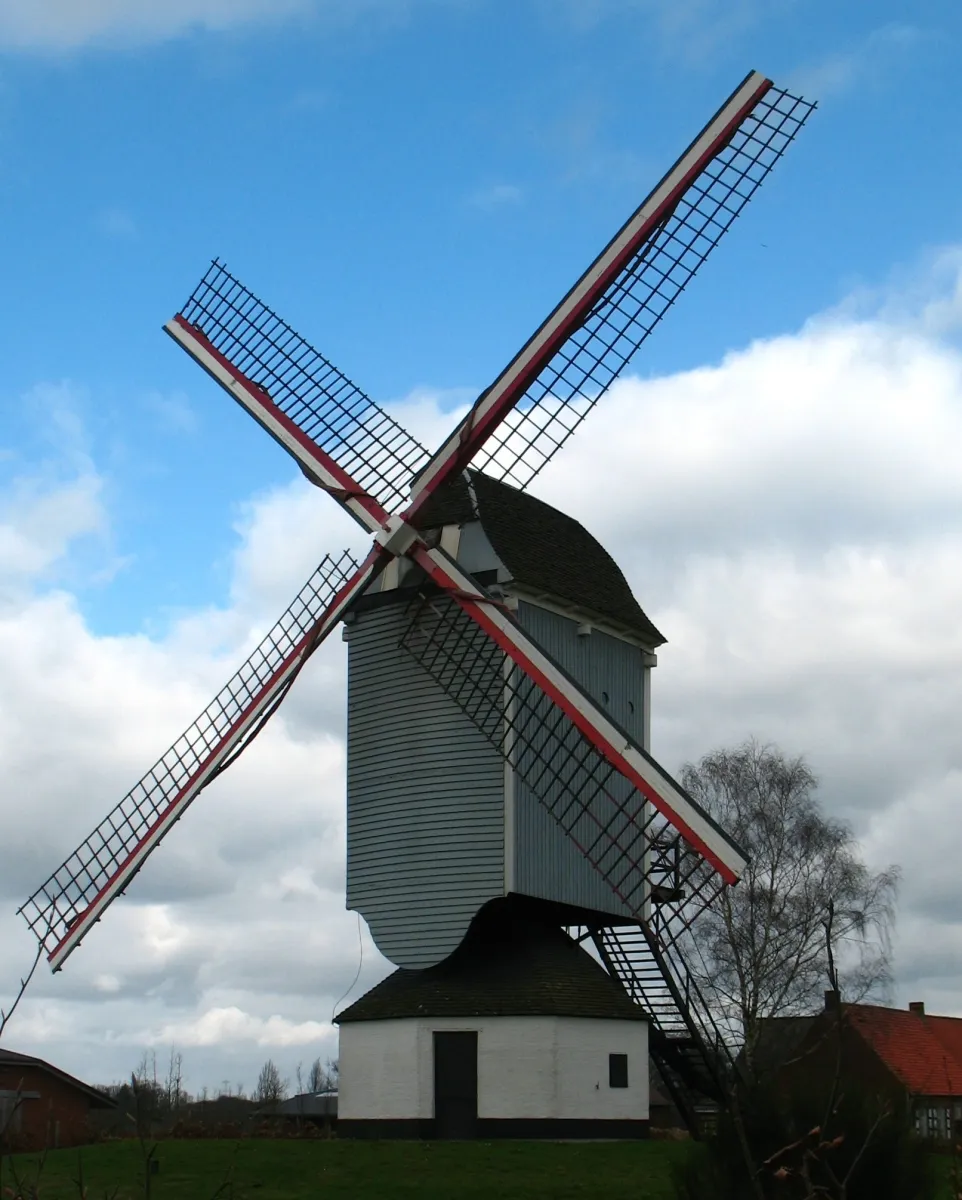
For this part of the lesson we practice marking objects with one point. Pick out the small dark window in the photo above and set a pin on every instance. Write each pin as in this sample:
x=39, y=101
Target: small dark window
x=631, y=707
x=618, y=1070
x=604, y=697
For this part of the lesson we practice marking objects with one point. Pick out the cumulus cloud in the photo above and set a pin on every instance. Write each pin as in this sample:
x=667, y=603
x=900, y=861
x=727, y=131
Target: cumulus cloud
x=790, y=516
x=242, y=909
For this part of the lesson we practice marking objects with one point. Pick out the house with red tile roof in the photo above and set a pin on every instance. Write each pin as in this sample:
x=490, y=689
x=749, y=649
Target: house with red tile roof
x=923, y=1053
x=43, y=1107
x=903, y=1054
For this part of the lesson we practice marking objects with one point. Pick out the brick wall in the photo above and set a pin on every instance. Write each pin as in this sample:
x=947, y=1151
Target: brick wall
x=52, y=1113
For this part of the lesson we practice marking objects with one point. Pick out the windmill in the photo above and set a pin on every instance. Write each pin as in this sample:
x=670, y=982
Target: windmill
x=498, y=663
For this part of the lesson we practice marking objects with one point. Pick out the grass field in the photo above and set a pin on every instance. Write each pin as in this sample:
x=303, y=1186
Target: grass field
x=298, y=1170
x=262, y=1169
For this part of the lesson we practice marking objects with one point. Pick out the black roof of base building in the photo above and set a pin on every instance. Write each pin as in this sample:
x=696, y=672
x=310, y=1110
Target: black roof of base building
x=544, y=549
x=507, y=966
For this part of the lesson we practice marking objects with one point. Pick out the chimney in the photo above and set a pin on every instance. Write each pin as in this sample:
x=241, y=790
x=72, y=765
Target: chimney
x=831, y=1000
x=917, y=1007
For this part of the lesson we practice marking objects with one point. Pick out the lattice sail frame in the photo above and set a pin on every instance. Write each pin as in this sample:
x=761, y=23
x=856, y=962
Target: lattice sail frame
x=647, y=863
x=364, y=440
x=103, y=865
x=583, y=369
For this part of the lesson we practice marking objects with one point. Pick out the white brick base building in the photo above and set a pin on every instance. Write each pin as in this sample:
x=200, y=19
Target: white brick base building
x=527, y=1039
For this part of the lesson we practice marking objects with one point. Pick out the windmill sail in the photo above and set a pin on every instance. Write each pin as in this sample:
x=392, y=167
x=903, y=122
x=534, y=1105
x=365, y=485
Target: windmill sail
x=544, y=394
x=75, y=896
x=323, y=404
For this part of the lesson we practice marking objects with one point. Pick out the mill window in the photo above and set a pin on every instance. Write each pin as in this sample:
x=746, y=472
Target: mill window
x=932, y=1127
x=618, y=1070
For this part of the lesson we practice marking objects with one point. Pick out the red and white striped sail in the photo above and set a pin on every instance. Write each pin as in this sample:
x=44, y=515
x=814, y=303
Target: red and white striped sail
x=62, y=911
x=342, y=440
x=543, y=394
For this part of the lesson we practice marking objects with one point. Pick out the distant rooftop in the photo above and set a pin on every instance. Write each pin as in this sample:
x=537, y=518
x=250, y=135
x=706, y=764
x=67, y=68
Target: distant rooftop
x=10, y=1058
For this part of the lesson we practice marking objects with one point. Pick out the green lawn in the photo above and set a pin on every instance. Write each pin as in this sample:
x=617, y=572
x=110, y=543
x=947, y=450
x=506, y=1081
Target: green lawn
x=298, y=1170
x=266, y=1169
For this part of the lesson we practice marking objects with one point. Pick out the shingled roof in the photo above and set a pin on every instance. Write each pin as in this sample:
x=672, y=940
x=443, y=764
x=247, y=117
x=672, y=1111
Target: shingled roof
x=16, y=1061
x=924, y=1052
x=545, y=550
x=506, y=967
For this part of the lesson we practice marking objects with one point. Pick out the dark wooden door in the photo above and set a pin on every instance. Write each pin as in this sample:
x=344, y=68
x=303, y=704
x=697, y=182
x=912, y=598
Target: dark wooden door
x=455, y=1084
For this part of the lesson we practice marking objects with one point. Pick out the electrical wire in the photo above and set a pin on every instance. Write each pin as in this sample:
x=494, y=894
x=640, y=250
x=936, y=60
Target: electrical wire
x=357, y=976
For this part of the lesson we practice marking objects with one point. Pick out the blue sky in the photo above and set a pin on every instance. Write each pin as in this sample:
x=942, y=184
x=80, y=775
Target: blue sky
x=413, y=184
x=413, y=187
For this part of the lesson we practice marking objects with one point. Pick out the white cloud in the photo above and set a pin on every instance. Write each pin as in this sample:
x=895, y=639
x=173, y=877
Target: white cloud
x=242, y=909
x=37, y=524
x=67, y=24
x=692, y=27
x=496, y=195
x=218, y=1026
x=173, y=412
x=49, y=504
x=870, y=61
x=791, y=517
x=117, y=224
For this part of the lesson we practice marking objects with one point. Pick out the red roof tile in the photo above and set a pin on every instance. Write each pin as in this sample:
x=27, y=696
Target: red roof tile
x=924, y=1052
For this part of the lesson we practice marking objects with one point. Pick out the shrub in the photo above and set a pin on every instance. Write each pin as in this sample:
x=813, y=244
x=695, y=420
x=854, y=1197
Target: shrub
x=864, y=1151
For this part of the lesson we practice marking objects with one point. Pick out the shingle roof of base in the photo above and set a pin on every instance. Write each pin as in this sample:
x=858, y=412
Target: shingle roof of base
x=530, y=970
x=544, y=549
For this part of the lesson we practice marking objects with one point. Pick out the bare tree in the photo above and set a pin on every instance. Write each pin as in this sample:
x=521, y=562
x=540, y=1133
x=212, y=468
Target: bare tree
x=322, y=1076
x=316, y=1079
x=270, y=1087
x=816, y=1128
x=760, y=951
x=173, y=1086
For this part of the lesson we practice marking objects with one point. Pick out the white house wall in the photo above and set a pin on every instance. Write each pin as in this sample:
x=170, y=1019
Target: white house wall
x=529, y=1068
x=378, y=1071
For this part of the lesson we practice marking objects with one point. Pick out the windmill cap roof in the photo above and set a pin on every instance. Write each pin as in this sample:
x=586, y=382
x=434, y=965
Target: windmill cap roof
x=506, y=966
x=545, y=550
